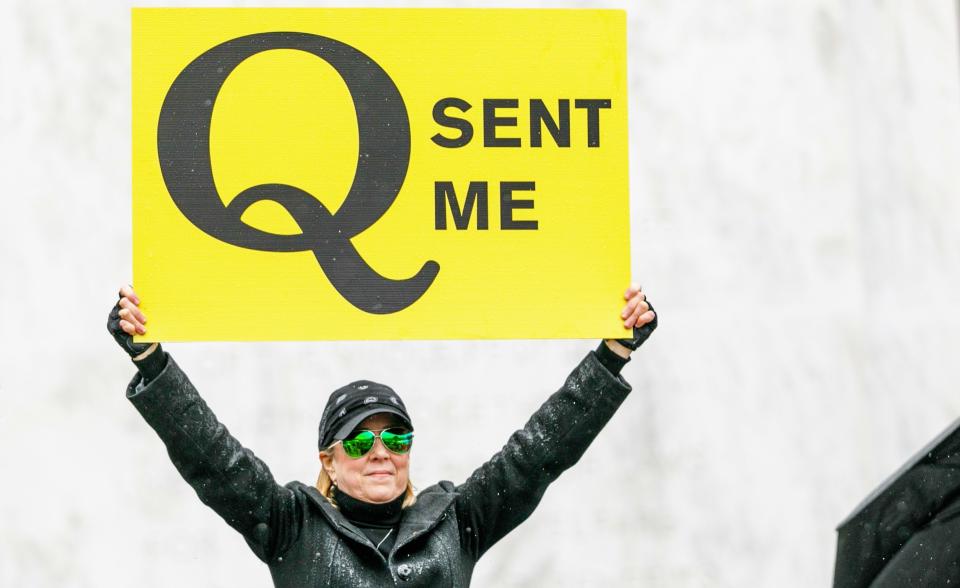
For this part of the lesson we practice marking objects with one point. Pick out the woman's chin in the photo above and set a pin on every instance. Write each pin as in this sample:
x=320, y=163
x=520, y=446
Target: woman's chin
x=379, y=495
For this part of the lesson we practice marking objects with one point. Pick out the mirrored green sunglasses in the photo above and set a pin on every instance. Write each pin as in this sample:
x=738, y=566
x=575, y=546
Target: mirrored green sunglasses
x=396, y=440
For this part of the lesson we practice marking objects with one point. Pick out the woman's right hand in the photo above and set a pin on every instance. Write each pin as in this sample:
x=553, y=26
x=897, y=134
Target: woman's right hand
x=126, y=320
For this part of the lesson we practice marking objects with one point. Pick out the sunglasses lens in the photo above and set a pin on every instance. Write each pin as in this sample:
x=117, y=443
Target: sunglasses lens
x=358, y=445
x=397, y=440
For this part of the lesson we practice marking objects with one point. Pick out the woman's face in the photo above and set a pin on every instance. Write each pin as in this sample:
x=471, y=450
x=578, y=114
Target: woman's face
x=378, y=476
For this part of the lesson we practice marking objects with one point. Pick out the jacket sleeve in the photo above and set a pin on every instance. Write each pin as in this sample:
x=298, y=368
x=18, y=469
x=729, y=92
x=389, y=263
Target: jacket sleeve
x=922, y=492
x=226, y=476
x=503, y=492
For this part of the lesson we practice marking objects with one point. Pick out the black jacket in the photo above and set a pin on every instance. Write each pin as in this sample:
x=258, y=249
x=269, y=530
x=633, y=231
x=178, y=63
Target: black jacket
x=307, y=543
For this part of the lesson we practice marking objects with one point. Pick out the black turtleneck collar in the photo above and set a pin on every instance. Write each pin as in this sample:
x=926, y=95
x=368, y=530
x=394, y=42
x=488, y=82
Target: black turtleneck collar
x=368, y=514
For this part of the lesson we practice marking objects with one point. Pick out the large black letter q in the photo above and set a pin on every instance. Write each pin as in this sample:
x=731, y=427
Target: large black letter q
x=183, y=143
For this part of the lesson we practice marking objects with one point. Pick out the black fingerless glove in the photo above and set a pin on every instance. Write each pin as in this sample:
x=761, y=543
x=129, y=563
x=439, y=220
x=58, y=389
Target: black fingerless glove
x=613, y=362
x=150, y=366
x=641, y=334
x=121, y=337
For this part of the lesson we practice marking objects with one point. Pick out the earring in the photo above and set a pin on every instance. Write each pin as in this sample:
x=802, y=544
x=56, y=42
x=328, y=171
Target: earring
x=331, y=494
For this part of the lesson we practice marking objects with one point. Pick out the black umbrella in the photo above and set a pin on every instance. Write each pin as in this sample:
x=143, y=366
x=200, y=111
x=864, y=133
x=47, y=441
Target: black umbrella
x=907, y=531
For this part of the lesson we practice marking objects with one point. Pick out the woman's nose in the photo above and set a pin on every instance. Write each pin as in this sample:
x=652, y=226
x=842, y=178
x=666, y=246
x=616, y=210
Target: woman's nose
x=379, y=450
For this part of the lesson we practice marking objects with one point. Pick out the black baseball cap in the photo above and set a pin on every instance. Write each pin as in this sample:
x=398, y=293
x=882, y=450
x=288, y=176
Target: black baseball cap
x=348, y=406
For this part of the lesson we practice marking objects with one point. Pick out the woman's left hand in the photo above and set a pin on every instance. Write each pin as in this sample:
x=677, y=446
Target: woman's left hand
x=637, y=311
x=637, y=315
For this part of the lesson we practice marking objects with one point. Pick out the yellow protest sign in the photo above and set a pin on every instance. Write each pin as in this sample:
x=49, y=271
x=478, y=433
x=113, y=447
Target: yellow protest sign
x=380, y=173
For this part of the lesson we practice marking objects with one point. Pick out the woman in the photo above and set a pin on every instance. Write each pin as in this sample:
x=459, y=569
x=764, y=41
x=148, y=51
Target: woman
x=362, y=525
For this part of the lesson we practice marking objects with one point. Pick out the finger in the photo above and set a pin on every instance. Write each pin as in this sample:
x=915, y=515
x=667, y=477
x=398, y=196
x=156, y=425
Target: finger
x=645, y=318
x=130, y=329
x=641, y=308
x=128, y=305
x=127, y=292
x=632, y=291
x=127, y=315
x=638, y=298
x=630, y=307
x=637, y=294
x=635, y=315
x=135, y=326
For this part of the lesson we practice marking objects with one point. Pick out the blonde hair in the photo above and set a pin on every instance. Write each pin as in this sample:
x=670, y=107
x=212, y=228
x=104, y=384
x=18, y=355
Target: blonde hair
x=325, y=486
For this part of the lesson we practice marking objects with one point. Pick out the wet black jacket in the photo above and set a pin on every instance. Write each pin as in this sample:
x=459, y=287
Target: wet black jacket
x=307, y=543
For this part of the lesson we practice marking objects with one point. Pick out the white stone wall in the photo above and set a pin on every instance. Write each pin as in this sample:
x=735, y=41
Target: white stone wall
x=795, y=174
